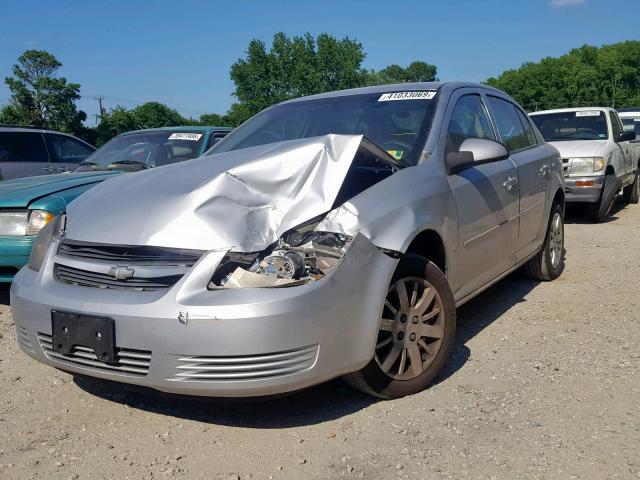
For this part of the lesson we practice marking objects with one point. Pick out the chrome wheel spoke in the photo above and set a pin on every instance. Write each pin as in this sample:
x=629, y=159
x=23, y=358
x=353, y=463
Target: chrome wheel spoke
x=426, y=300
x=403, y=361
x=431, y=314
x=415, y=359
x=384, y=342
x=432, y=331
x=391, y=308
x=392, y=357
x=387, y=324
x=403, y=298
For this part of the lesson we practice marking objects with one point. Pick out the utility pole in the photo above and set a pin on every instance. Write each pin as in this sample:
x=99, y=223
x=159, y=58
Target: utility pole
x=99, y=98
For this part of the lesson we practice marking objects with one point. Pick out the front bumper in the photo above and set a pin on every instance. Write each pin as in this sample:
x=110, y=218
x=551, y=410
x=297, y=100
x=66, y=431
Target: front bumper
x=14, y=254
x=586, y=194
x=226, y=342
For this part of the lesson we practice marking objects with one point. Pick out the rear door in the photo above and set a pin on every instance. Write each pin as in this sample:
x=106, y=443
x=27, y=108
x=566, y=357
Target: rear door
x=486, y=198
x=22, y=154
x=534, y=171
x=66, y=152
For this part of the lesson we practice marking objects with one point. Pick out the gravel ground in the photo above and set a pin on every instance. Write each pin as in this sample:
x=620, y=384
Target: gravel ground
x=545, y=383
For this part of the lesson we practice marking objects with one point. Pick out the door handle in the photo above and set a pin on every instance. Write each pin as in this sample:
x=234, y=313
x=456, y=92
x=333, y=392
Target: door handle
x=509, y=183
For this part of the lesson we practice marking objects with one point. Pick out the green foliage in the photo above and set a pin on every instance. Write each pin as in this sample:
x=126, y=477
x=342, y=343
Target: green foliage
x=415, y=72
x=39, y=98
x=294, y=67
x=586, y=76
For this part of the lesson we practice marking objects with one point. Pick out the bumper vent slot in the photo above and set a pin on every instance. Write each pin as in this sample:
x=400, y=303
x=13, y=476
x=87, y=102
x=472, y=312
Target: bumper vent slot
x=242, y=368
x=85, y=278
x=22, y=335
x=132, y=362
x=129, y=254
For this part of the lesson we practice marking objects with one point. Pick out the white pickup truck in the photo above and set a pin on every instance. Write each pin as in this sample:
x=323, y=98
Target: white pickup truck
x=599, y=156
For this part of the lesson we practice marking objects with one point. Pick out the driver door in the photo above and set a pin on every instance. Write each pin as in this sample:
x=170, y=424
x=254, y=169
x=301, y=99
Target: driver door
x=486, y=199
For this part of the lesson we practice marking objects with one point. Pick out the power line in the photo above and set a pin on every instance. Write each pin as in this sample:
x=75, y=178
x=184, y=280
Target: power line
x=140, y=102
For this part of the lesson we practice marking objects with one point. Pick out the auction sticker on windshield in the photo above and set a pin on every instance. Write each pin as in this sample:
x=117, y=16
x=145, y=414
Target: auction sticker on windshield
x=588, y=113
x=185, y=136
x=419, y=95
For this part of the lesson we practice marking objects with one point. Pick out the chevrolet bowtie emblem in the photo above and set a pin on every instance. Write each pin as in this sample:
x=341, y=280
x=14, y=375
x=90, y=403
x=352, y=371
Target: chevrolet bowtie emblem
x=121, y=272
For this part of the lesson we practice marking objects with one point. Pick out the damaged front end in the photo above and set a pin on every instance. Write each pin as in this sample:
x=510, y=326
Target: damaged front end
x=300, y=256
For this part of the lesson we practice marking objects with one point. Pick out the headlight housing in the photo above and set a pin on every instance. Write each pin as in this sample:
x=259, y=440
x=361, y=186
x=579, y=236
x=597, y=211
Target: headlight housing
x=586, y=165
x=54, y=229
x=18, y=223
x=300, y=256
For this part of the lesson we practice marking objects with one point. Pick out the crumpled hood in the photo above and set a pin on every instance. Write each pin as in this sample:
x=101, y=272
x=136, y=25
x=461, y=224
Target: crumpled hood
x=20, y=192
x=242, y=200
x=579, y=148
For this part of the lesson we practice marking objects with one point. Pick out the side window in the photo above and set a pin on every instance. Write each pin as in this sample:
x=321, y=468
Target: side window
x=468, y=120
x=22, y=147
x=616, y=128
x=67, y=150
x=528, y=129
x=508, y=124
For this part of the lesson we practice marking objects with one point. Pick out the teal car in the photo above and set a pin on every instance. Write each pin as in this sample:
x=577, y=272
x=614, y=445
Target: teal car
x=28, y=204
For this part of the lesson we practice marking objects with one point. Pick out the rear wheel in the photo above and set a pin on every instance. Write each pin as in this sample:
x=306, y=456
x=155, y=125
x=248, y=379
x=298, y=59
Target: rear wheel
x=631, y=193
x=600, y=210
x=416, y=332
x=548, y=264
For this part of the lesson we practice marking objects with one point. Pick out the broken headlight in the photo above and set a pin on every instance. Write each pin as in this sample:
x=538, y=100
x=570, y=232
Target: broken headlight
x=298, y=257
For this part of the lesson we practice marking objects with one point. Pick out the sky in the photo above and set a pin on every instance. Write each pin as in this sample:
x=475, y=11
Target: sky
x=179, y=53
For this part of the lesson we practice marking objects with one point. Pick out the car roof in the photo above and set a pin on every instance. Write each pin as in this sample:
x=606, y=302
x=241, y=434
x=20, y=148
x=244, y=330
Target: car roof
x=180, y=128
x=395, y=87
x=18, y=128
x=628, y=109
x=572, y=109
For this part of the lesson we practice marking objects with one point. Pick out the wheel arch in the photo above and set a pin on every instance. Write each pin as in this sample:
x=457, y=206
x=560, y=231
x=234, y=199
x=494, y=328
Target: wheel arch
x=429, y=244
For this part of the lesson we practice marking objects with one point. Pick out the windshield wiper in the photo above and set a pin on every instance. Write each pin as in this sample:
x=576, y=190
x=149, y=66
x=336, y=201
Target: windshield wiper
x=142, y=165
x=87, y=163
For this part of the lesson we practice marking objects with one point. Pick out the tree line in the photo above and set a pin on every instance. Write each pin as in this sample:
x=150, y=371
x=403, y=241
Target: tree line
x=304, y=65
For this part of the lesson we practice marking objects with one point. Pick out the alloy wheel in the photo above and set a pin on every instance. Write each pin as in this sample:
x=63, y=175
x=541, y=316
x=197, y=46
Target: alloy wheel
x=411, y=330
x=556, y=241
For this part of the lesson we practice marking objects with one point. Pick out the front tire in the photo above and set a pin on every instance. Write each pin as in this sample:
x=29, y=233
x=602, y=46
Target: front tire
x=548, y=263
x=600, y=210
x=416, y=332
x=631, y=193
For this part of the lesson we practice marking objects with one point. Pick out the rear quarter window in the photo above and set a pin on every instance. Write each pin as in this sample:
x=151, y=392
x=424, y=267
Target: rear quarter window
x=22, y=147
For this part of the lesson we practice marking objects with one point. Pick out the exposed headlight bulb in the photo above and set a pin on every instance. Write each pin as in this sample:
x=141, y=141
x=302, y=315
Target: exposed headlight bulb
x=282, y=264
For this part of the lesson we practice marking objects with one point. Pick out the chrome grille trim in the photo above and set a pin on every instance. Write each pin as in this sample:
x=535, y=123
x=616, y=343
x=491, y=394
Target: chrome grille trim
x=22, y=336
x=85, y=278
x=130, y=361
x=250, y=367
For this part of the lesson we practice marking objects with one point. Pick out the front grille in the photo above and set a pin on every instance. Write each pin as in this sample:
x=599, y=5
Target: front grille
x=134, y=362
x=252, y=367
x=566, y=166
x=129, y=254
x=22, y=335
x=85, y=278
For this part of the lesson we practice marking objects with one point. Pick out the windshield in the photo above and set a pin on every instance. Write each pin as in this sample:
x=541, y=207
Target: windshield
x=631, y=125
x=144, y=150
x=397, y=122
x=563, y=126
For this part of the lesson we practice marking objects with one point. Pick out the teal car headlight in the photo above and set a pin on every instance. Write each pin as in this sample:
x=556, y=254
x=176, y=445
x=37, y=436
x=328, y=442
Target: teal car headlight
x=53, y=229
x=14, y=223
x=18, y=223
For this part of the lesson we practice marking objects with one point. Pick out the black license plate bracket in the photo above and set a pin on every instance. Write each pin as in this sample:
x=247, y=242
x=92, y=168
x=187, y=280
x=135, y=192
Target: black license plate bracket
x=90, y=331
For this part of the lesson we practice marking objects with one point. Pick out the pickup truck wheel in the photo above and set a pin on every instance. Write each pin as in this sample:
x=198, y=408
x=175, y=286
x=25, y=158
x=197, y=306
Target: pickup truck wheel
x=600, y=211
x=631, y=193
x=416, y=332
x=548, y=263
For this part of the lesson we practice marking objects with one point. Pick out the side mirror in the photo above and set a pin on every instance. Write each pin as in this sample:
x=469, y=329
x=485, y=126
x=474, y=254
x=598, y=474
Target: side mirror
x=475, y=151
x=627, y=136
